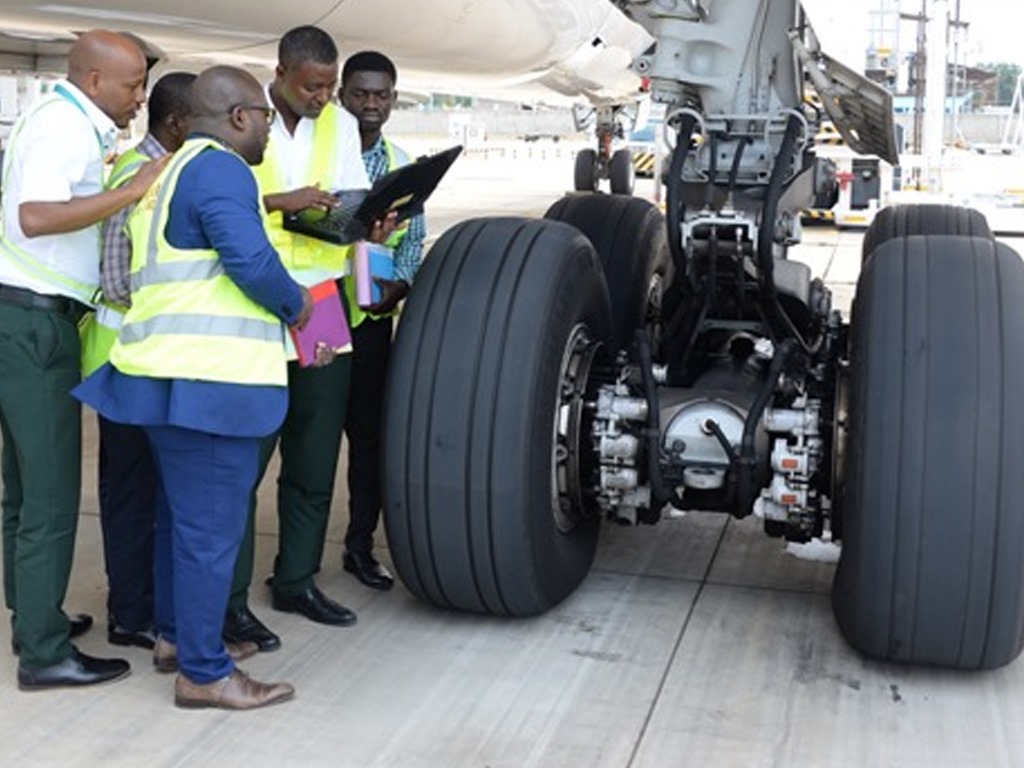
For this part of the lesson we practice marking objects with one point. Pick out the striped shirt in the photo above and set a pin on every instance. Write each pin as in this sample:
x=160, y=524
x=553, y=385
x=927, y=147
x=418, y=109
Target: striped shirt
x=409, y=253
x=116, y=258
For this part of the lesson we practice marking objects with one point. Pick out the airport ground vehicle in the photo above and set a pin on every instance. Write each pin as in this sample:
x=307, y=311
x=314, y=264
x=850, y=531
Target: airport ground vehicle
x=607, y=361
x=862, y=184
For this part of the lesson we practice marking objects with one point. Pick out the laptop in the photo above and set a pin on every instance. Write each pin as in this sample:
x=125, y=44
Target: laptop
x=403, y=191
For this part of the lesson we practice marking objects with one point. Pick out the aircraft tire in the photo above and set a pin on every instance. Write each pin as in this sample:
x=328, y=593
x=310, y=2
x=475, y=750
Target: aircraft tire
x=620, y=172
x=630, y=238
x=932, y=567
x=585, y=176
x=476, y=386
x=930, y=219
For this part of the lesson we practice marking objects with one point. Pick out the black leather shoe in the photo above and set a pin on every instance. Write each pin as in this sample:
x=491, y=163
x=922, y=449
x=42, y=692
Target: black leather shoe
x=365, y=568
x=137, y=638
x=75, y=671
x=315, y=606
x=78, y=625
x=242, y=626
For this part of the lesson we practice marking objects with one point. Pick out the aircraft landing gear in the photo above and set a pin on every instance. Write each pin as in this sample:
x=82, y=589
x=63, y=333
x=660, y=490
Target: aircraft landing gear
x=605, y=162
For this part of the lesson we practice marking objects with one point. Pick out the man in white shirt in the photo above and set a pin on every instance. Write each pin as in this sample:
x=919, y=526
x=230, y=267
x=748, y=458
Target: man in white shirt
x=314, y=151
x=53, y=201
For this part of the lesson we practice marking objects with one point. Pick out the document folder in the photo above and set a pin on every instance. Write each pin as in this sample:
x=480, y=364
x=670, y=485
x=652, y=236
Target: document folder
x=403, y=191
x=328, y=324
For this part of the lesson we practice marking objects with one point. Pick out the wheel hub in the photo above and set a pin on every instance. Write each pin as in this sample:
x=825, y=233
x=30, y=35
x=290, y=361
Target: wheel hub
x=572, y=457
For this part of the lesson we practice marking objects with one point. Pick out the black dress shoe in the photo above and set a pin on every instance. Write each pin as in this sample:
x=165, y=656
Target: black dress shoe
x=315, y=606
x=137, y=638
x=242, y=626
x=365, y=568
x=78, y=625
x=75, y=671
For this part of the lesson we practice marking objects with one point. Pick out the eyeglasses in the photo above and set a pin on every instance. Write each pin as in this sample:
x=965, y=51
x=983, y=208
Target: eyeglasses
x=270, y=112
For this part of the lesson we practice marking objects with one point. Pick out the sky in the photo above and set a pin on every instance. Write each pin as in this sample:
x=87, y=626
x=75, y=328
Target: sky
x=995, y=32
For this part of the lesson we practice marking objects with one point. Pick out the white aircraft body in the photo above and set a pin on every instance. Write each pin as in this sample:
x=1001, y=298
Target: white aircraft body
x=579, y=49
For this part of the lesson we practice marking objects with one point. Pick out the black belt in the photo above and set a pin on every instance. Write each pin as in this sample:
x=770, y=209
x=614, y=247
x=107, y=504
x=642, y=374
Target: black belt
x=23, y=297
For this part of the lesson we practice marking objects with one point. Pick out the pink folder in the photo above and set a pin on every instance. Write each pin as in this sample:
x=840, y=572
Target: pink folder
x=327, y=324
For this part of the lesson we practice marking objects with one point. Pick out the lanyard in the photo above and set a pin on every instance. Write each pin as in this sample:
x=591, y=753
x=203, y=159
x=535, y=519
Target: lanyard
x=60, y=90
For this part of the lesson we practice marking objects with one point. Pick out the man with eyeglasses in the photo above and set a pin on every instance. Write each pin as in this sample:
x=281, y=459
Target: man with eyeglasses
x=199, y=364
x=314, y=150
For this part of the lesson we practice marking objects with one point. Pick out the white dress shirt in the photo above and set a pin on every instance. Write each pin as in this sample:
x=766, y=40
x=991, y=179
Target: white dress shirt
x=57, y=152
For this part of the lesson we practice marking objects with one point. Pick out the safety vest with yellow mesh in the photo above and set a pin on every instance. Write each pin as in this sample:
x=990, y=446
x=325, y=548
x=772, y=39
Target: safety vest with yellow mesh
x=98, y=331
x=188, y=319
x=396, y=159
x=22, y=259
x=308, y=260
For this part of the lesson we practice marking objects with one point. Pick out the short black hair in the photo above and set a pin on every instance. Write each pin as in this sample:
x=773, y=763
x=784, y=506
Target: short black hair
x=170, y=96
x=368, y=61
x=306, y=43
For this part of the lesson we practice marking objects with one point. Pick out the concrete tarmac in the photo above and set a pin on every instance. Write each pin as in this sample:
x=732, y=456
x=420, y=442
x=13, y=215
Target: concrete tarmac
x=698, y=642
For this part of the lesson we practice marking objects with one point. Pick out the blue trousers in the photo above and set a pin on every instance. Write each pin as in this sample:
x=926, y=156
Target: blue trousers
x=202, y=503
x=127, y=486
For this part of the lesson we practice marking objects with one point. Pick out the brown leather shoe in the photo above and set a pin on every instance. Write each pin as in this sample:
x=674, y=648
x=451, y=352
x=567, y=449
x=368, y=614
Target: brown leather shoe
x=236, y=691
x=165, y=654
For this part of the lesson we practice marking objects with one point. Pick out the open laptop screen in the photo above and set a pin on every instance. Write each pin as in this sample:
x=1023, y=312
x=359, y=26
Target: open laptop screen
x=403, y=191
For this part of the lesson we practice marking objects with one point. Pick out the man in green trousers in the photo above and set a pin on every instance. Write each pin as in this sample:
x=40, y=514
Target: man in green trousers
x=53, y=201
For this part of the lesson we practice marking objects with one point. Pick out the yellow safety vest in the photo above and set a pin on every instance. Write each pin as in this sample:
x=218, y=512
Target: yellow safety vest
x=188, y=319
x=21, y=258
x=98, y=331
x=396, y=159
x=307, y=259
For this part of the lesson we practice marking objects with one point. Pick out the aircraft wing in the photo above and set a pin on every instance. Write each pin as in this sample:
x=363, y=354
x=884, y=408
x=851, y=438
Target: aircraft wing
x=543, y=48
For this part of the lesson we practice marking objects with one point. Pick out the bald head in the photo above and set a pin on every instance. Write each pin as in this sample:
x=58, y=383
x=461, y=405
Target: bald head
x=110, y=69
x=229, y=103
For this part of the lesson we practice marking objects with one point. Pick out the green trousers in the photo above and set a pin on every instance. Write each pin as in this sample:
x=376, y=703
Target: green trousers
x=310, y=442
x=41, y=469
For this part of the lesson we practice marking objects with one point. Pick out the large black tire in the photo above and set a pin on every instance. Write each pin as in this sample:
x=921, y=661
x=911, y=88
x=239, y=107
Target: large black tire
x=585, y=175
x=629, y=235
x=620, y=172
x=474, y=390
x=932, y=565
x=931, y=219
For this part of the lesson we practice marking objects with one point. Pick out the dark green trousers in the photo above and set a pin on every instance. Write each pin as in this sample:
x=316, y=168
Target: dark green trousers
x=41, y=468
x=310, y=441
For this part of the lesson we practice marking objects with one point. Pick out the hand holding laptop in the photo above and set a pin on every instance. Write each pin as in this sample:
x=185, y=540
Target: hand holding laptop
x=382, y=228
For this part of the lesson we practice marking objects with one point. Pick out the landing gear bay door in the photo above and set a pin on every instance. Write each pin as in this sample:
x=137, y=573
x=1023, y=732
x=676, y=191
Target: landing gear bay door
x=860, y=109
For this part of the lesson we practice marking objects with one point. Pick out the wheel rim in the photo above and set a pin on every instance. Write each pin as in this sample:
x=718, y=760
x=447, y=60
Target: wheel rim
x=571, y=457
x=840, y=433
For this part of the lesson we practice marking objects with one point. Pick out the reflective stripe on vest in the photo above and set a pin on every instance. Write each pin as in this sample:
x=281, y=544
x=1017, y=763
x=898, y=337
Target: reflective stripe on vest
x=98, y=331
x=188, y=319
x=307, y=259
x=110, y=317
x=22, y=259
x=126, y=167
